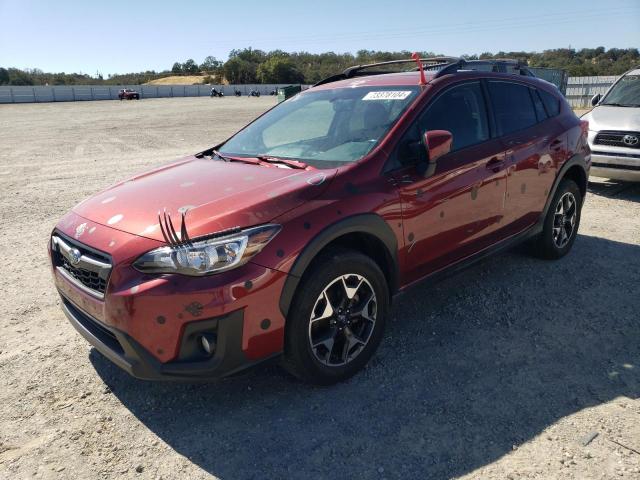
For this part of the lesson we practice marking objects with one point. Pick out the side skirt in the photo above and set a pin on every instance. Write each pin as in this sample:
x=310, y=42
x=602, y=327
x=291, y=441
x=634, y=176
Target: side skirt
x=467, y=262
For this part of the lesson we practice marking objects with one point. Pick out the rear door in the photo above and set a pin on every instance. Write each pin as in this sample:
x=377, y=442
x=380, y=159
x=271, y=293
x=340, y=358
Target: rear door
x=458, y=210
x=531, y=141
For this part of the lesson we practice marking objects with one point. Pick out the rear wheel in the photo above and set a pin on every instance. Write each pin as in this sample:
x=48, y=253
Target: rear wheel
x=561, y=223
x=336, y=320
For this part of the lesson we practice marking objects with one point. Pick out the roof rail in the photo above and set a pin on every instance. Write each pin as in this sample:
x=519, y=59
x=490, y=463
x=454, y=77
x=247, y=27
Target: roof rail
x=498, y=65
x=358, y=70
x=442, y=66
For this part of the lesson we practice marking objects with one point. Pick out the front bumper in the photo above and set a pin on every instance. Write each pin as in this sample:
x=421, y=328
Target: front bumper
x=146, y=323
x=126, y=353
x=616, y=165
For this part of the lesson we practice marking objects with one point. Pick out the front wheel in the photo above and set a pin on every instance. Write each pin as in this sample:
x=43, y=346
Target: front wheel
x=337, y=318
x=561, y=223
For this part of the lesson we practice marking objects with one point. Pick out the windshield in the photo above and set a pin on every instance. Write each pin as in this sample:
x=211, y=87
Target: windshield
x=324, y=128
x=624, y=93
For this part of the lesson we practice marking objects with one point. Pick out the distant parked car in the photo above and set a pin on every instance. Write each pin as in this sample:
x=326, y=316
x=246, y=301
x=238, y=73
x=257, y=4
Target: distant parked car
x=614, y=130
x=128, y=94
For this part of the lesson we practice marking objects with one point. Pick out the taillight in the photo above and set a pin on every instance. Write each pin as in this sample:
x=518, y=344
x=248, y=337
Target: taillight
x=584, y=125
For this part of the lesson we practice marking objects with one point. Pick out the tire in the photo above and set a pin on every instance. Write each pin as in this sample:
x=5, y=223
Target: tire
x=364, y=289
x=561, y=224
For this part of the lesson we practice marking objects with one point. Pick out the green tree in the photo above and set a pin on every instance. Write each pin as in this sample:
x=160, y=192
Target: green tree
x=210, y=64
x=237, y=70
x=279, y=70
x=19, y=77
x=177, y=68
x=190, y=66
x=4, y=76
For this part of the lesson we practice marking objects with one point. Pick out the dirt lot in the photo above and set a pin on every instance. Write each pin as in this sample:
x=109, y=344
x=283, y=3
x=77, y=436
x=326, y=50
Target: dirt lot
x=506, y=371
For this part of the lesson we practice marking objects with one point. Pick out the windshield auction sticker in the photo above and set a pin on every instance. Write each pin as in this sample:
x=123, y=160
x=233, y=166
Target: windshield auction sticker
x=387, y=95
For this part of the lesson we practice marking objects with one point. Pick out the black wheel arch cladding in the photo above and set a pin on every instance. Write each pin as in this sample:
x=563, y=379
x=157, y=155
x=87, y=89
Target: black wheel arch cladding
x=577, y=161
x=368, y=224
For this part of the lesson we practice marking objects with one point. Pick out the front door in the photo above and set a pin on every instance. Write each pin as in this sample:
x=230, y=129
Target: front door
x=458, y=210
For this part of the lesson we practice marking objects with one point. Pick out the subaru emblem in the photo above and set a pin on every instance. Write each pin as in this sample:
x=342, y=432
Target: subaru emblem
x=74, y=256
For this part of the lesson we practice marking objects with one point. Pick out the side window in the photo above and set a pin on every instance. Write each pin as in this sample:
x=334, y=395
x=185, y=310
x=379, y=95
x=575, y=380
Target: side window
x=460, y=110
x=551, y=103
x=409, y=151
x=541, y=113
x=512, y=106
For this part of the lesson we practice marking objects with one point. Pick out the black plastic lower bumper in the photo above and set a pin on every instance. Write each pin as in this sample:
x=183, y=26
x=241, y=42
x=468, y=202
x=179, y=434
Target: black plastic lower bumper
x=129, y=355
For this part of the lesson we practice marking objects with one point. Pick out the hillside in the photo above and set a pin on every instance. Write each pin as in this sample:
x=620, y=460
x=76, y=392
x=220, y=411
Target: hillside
x=178, y=80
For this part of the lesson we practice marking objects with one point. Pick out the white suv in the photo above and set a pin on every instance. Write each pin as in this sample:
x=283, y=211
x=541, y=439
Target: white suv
x=614, y=130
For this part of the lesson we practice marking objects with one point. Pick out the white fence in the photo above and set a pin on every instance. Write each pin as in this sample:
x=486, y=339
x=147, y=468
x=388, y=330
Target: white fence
x=68, y=93
x=581, y=89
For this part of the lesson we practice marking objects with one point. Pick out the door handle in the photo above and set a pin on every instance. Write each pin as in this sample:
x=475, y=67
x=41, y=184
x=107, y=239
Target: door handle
x=556, y=145
x=407, y=179
x=495, y=164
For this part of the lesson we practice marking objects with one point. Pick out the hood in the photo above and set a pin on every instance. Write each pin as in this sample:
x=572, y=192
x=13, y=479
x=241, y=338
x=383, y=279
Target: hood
x=216, y=196
x=604, y=117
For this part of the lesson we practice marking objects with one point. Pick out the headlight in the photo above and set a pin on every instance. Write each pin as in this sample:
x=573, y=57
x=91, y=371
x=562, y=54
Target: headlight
x=208, y=256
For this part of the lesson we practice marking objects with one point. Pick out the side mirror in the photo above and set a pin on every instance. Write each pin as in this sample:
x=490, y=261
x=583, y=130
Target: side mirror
x=595, y=99
x=437, y=143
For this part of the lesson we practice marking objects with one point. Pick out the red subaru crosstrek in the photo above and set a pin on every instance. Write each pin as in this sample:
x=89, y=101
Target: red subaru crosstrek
x=291, y=238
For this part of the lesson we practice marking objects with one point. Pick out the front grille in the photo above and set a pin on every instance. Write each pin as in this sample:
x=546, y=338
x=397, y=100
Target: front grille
x=89, y=269
x=616, y=139
x=88, y=278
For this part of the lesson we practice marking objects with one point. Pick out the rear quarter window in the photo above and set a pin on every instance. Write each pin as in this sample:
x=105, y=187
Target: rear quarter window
x=541, y=112
x=551, y=103
x=512, y=106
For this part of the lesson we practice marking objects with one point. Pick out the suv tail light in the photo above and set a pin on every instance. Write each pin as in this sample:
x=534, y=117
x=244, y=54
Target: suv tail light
x=584, y=125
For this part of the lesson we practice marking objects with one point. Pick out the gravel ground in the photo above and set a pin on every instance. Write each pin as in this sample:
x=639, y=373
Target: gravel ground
x=516, y=368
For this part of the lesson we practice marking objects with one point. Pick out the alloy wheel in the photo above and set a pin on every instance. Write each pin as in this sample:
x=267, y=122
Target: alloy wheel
x=342, y=320
x=564, y=220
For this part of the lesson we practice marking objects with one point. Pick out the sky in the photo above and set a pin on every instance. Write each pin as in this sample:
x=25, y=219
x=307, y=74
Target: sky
x=131, y=36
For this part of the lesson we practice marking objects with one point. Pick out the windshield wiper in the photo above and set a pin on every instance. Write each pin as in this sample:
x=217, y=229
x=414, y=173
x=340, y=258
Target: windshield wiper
x=220, y=156
x=236, y=159
x=284, y=161
x=260, y=159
